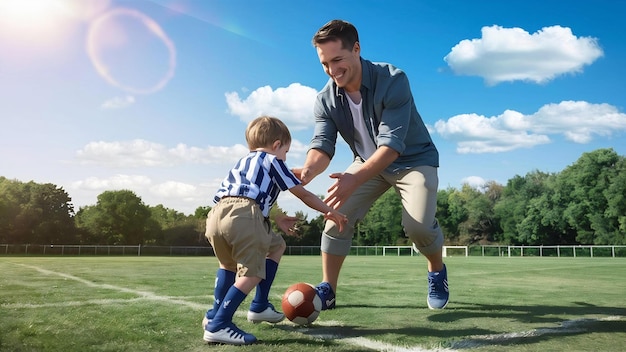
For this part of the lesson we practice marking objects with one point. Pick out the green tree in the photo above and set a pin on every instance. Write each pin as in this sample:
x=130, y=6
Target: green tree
x=119, y=217
x=87, y=221
x=475, y=208
x=53, y=215
x=35, y=213
x=616, y=206
x=480, y=224
x=451, y=214
x=166, y=217
x=513, y=207
x=10, y=199
x=383, y=223
x=200, y=215
x=447, y=220
x=201, y=212
x=307, y=233
x=545, y=213
x=177, y=229
x=584, y=186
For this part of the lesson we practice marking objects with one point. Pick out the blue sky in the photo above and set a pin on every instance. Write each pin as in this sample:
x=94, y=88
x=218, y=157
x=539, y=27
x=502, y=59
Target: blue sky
x=154, y=96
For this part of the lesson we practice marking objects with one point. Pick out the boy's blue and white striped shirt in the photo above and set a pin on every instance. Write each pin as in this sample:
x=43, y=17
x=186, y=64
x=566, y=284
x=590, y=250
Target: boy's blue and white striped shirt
x=259, y=176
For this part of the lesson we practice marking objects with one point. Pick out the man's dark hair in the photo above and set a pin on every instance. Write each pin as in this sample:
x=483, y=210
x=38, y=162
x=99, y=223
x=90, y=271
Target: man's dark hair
x=337, y=30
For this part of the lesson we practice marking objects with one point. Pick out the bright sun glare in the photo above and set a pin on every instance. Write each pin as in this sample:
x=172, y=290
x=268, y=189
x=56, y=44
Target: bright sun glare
x=43, y=18
x=33, y=13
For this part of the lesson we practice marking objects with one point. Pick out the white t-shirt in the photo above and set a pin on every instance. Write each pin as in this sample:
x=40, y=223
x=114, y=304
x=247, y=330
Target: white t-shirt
x=364, y=144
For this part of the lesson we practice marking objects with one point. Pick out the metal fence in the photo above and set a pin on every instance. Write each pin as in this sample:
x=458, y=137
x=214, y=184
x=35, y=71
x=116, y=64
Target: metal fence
x=491, y=250
x=136, y=250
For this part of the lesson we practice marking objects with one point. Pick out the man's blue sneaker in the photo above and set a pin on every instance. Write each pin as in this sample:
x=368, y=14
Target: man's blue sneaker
x=438, y=293
x=326, y=294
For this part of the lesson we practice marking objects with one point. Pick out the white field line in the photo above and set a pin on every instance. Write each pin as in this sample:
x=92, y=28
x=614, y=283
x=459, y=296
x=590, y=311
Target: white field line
x=568, y=326
x=142, y=294
x=360, y=341
x=381, y=346
x=71, y=303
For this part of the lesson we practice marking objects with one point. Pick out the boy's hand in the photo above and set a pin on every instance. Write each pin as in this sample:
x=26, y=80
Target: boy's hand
x=287, y=223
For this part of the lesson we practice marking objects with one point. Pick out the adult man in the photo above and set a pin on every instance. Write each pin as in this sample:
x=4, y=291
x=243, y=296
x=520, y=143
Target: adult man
x=371, y=106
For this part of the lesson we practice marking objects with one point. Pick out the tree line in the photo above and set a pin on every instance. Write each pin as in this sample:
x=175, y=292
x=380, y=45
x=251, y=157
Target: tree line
x=583, y=204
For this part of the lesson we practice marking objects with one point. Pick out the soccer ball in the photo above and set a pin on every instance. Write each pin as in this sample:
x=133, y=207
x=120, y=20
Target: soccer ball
x=301, y=304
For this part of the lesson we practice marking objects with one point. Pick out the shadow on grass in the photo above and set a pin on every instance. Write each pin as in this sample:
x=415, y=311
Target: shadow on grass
x=525, y=314
x=567, y=328
x=576, y=319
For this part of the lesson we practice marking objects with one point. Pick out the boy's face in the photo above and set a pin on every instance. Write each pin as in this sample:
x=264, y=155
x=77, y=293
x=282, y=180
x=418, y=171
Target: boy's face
x=342, y=65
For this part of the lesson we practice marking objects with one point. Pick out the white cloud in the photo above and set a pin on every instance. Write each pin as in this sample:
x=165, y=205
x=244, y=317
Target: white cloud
x=118, y=102
x=125, y=154
x=116, y=182
x=474, y=181
x=478, y=134
x=293, y=105
x=510, y=54
x=179, y=195
x=577, y=121
x=139, y=152
x=173, y=189
x=209, y=155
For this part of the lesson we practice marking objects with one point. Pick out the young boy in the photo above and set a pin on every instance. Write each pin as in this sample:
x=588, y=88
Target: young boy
x=239, y=230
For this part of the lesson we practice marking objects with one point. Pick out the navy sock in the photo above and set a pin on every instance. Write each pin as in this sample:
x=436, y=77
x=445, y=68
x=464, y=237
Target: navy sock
x=261, y=297
x=224, y=279
x=227, y=309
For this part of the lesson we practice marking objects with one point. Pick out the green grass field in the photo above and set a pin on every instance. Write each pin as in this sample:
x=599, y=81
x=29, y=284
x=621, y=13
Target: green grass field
x=157, y=303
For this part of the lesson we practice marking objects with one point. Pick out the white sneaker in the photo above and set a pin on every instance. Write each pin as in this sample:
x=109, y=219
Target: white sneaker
x=269, y=315
x=231, y=335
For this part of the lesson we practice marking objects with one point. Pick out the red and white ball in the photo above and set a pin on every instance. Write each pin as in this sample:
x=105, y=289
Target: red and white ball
x=301, y=304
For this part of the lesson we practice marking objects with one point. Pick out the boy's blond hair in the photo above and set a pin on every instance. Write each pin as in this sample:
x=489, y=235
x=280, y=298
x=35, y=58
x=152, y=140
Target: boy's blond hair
x=263, y=131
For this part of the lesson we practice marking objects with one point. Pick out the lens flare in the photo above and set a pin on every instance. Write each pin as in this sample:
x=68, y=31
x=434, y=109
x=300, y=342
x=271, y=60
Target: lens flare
x=131, y=51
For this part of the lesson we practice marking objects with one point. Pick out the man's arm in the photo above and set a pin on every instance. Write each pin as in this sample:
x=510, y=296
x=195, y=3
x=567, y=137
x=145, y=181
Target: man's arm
x=316, y=162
